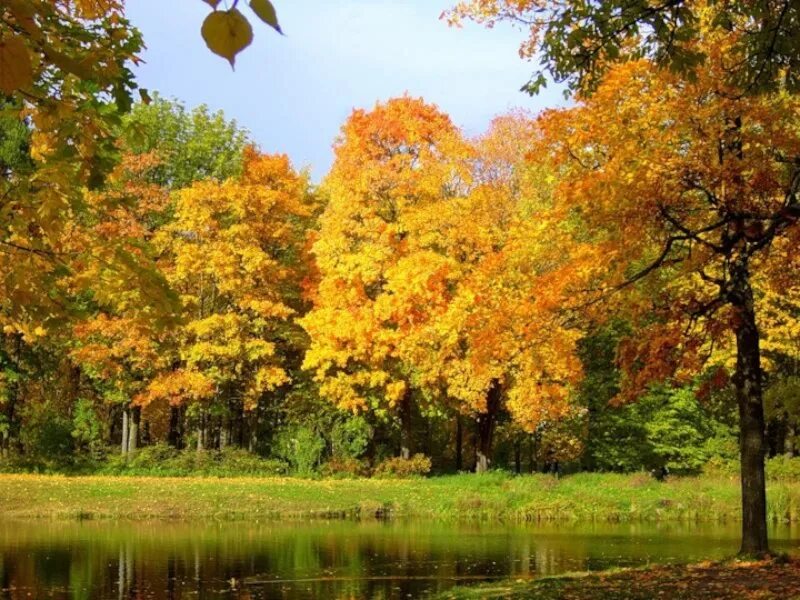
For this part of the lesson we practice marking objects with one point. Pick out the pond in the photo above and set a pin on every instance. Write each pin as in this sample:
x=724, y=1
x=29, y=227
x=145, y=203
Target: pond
x=328, y=559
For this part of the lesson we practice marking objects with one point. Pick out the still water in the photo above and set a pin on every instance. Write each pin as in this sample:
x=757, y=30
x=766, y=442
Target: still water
x=327, y=559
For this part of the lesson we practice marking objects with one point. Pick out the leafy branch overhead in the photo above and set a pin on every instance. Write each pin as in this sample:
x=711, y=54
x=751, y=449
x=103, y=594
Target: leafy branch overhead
x=228, y=32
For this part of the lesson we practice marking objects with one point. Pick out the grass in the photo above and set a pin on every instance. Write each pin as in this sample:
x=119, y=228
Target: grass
x=778, y=579
x=495, y=496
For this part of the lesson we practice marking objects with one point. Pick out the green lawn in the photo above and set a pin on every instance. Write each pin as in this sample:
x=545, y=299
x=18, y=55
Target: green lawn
x=580, y=497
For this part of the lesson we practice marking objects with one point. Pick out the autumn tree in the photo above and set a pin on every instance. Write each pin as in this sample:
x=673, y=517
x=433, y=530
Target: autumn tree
x=394, y=166
x=234, y=254
x=489, y=339
x=688, y=189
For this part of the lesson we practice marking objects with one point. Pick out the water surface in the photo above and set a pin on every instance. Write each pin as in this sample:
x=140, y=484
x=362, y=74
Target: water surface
x=328, y=559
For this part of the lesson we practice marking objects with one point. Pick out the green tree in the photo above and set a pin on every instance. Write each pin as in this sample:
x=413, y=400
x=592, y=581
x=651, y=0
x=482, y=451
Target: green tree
x=190, y=144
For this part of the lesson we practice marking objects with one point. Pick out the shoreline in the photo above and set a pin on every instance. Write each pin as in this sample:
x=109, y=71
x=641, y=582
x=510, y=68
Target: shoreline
x=583, y=497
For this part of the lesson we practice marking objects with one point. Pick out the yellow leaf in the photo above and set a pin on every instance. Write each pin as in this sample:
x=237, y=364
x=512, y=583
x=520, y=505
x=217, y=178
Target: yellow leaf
x=226, y=33
x=266, y=12
x=15, y=65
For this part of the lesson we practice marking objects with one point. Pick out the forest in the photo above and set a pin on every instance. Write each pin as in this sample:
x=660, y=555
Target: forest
x=608, y=287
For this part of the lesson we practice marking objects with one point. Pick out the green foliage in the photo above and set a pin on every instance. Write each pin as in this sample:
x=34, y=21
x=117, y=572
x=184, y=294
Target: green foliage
x=87, y=428
x=399, y=467
x=301, y=447
x=349, y=438
x=193, y=145
x=161, y=460
x=47, y=438
x=676, y=428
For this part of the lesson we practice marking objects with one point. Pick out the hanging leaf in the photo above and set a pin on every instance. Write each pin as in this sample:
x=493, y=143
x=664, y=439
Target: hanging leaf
x=226, y=33
x=212, y=3
x=266, y=12
x=15, y=65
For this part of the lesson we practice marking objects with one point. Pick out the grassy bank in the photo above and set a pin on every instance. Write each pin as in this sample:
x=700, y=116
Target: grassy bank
x=581, y=497
x=767, y=579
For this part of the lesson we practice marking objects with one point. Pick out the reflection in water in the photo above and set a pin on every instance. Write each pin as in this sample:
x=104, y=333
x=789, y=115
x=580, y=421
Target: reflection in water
x=325, y=559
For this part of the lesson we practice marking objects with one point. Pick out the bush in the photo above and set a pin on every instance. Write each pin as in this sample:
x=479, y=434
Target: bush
x=783, y=468
x=779, y=468
x=417, y=465
x=350, y=438
x=165, y=461
x=301, y=448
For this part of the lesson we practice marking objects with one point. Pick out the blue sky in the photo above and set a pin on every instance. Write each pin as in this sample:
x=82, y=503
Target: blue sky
x=294, y=92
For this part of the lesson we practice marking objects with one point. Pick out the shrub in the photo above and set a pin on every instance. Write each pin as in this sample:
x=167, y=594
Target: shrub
x=350, y=438
x=417, y=465
x=165, y=461
x=301, y=448
x=783, y=468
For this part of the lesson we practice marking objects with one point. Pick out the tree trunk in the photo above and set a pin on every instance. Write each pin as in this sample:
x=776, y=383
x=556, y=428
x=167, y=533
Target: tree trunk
x=252, y=430
x=133, y=429
x=125, y=419
x=201, y=432
x=518, y=456
x=459, y=442
x=748, y=384
x=486, y=423
x=173, y=436
x=405, y=425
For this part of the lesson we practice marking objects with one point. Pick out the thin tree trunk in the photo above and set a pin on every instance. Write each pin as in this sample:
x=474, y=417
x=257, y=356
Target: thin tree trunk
x=405, y=425
x=252, y=430
x=518, y=456
x=459, y=442
x=486, y=425
x=748, y=384
x=201, y=432
x=125, y=419
x=133, y=429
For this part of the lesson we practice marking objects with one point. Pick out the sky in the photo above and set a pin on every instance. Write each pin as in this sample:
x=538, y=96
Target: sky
x=294, y=92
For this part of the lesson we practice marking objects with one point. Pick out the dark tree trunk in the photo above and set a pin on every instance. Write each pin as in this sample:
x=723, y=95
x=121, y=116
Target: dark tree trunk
x=748, y=384
x=252, y=430
x=5, y=442
x=486, y=425
x=405, y=425
x=518, y=456
x=174, y=435
x=459, y=442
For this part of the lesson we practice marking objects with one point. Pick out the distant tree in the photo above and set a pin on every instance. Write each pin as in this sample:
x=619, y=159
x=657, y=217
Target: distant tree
x=190, y=145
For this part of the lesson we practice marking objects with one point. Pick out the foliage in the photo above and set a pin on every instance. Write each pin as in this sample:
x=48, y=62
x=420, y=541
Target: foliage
x=189, y=145
x=87, y=428
x=300, y=447
x=350, y=437
x=400, y=467
x=578, y=42
x=161, y=460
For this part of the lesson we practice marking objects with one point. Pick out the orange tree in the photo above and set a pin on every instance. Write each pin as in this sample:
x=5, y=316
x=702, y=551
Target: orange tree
x=487, y=275
x=394, y=165
x=688, y=191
